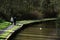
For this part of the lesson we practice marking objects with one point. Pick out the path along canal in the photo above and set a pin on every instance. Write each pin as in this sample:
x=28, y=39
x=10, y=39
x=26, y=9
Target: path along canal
x=38, y=31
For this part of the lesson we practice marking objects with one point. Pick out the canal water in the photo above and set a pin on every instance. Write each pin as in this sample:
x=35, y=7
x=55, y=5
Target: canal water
x=40, y=31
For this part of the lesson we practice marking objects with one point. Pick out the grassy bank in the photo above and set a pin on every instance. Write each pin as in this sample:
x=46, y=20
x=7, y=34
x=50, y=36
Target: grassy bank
x=3, y=24
x=9, y=32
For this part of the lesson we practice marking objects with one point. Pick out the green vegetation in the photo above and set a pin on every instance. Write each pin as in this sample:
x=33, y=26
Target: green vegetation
x=15, y=27
x=31, y=21
x=3, y=24
x=7, y=32
x=29, y=9
x=1, y=39
x=4, y=34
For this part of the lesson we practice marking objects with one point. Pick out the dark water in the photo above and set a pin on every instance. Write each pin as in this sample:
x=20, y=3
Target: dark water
x=41, y=31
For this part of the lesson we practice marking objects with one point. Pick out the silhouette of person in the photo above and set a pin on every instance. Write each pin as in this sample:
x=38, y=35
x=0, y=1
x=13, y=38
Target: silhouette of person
x=14, y=20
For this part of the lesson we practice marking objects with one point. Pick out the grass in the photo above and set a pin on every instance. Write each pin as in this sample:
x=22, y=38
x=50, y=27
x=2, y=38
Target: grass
x=27, y=22
x=4, y=25
x=1, y=39
x=15, y=27
x=4, y=35
x=31, y=21
x=8, y=32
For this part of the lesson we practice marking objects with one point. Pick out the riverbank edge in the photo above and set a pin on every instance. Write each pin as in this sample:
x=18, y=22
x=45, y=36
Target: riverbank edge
x=23, y=27
x=10, y=37
x=13, y=32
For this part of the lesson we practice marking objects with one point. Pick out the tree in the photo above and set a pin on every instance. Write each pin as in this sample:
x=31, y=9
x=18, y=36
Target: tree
x=27, y=8
x=49, y=9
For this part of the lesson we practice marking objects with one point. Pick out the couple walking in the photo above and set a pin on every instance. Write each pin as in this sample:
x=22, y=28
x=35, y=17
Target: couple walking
x=13, y=20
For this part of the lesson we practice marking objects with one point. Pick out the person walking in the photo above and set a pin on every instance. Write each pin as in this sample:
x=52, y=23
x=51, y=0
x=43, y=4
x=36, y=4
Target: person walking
x=11, y=20
x=14, y=20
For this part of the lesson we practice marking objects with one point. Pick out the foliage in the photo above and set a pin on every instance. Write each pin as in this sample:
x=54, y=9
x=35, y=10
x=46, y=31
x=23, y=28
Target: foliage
x=49, y=9
x=28, y=9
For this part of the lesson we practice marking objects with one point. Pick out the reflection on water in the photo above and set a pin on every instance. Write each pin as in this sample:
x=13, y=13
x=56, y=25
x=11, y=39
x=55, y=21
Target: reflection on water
x=42, y=31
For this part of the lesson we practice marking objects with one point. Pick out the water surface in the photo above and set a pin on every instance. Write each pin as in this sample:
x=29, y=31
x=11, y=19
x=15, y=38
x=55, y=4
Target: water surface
x=41, y=31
